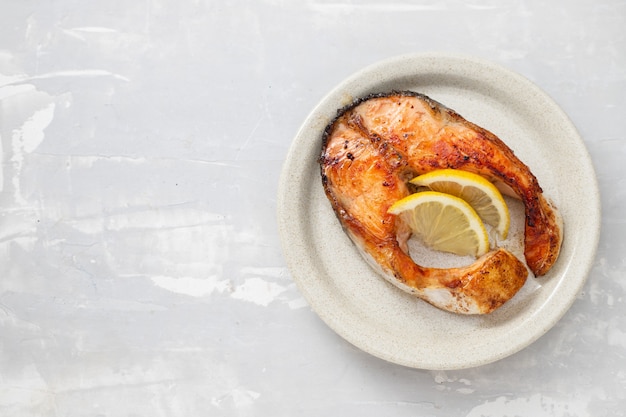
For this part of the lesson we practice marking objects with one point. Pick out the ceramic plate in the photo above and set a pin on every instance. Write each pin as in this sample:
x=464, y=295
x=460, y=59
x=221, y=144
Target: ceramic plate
x=377, y=317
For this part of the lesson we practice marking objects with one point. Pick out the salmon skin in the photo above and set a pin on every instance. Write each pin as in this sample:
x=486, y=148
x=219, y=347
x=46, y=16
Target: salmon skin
x=371, y=150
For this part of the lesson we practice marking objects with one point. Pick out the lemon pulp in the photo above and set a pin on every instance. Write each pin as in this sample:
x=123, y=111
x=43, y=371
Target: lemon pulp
x=481, y=194
x=444, y=222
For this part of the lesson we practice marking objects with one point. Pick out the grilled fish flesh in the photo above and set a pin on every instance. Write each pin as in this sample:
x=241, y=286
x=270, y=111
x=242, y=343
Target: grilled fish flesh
x=377, y=144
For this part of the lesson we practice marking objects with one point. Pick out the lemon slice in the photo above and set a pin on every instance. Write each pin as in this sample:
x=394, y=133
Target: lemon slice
x=481, y=194
x=445, y=222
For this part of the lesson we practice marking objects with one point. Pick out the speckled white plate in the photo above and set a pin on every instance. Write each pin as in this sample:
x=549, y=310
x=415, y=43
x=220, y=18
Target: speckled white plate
x=381, y=319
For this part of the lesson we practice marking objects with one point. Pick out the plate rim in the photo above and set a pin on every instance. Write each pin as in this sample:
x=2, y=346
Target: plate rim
x=288, y=217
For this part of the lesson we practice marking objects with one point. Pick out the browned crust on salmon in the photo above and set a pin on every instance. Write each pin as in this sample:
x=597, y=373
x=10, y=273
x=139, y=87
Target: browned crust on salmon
x=377, y=143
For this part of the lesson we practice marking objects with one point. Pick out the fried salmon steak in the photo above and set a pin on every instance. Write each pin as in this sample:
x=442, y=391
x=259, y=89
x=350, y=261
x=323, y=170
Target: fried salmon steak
x=377, y=144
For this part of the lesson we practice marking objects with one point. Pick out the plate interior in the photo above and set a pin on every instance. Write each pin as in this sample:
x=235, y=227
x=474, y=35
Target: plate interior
x=381, y=319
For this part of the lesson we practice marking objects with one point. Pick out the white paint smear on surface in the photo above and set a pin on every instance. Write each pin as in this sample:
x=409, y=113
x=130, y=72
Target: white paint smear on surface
x=27, y=388
x=24, y=78
x=258, y=291
x=616, y=337
x=25, y=140
x=299, y=302
x=537, y=406
x=31, y=134
x=94, y=29
x=7, y=90
x=80, y=73
x=237, y=398
x=194, y=287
